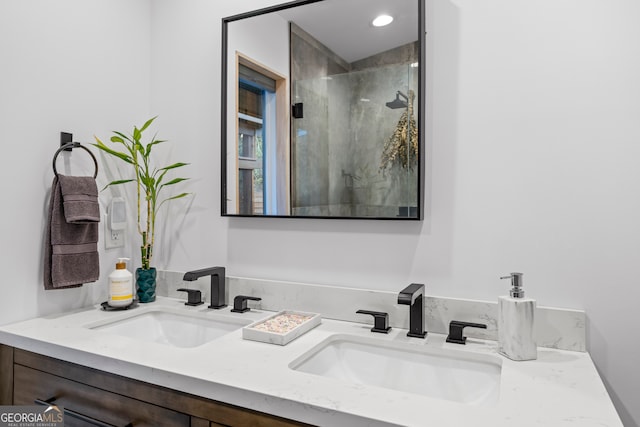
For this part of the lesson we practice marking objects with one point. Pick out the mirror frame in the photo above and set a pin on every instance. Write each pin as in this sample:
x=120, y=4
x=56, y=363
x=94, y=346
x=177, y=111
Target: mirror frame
x=420, y=119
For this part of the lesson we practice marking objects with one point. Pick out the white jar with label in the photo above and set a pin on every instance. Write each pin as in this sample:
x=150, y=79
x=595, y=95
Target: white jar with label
x=120, y=285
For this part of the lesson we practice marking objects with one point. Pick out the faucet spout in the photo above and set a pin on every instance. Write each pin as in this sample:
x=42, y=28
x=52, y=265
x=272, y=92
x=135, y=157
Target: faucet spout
x=413, y=296
x=218, y=297
x=408, y=295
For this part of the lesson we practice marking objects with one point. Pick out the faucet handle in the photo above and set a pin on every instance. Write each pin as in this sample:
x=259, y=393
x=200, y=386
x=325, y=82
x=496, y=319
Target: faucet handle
x=456, y=328
x=194, y=296
x=240, y=303
x=380, y=321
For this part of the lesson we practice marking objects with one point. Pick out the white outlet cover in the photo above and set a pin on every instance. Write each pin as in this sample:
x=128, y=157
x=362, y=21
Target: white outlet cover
x=113, y=238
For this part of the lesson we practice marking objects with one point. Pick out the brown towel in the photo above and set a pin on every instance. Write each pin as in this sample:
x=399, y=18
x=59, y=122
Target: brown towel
x=71, y=249
x=80, y=199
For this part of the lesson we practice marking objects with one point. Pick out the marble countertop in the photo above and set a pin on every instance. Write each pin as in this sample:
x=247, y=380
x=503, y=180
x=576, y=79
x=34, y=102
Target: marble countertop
x=560, y=388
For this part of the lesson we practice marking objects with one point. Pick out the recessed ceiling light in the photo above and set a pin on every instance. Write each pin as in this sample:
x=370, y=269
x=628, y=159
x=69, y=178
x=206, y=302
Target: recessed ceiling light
x=382, y=20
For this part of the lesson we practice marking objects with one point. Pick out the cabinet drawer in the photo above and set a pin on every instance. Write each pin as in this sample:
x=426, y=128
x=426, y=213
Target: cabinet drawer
x=95, y=403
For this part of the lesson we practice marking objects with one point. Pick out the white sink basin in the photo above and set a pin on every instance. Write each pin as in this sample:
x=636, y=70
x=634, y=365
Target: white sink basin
x=171, y=328
x=435, y=372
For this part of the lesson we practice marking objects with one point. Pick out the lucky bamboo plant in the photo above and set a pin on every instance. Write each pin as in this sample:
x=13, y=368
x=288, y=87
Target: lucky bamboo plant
x=150, y=181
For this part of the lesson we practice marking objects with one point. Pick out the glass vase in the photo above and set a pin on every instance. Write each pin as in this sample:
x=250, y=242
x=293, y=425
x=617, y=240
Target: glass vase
x=146, y=284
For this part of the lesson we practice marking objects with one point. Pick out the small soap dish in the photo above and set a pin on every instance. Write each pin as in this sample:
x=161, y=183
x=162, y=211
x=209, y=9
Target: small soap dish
x=281, y=328
x=106, y=307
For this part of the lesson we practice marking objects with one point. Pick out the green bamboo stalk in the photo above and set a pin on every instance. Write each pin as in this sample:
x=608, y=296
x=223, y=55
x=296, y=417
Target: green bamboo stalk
x=138, y=155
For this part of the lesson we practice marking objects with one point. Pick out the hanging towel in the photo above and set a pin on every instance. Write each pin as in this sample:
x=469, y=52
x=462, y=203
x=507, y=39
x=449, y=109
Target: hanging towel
x=71, y=248
x=80, y=199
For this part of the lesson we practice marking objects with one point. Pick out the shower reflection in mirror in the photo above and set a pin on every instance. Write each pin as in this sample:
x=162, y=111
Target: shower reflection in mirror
x=354, y=153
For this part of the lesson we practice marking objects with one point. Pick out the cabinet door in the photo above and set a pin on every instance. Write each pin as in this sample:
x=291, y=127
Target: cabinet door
x=79, y=388
x=6, y=375
x=201, y=422
x=110, y=408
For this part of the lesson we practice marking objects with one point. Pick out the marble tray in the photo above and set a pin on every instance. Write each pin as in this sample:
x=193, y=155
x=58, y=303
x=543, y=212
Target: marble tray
x=281, y=328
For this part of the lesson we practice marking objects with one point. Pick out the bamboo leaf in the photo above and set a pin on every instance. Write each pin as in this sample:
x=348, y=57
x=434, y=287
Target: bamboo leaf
x=146, y=125
x=123, y=156
x=102, y=144
x=179, y=196
x=118, y=182
x=117, y=139
x=173, y=166
x=122, y=135
x=151, y=144
x=140, y=148
x=136, y=134
x=161, y=177
x=174, y=181
x=148, y=182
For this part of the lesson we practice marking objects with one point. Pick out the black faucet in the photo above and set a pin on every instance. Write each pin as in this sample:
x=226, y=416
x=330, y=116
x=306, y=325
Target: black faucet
x=218, y=299
x=240, y=303
x=194, y=296
x=412, y=296
x=456, y=328
x=380, y=321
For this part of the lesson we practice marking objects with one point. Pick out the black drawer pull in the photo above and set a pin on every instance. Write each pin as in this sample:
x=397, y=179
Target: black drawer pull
x=77, y=415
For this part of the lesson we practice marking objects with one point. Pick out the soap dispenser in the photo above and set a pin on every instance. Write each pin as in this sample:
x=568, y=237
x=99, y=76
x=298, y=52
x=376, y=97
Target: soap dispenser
x=515, y=322
x=120, y=285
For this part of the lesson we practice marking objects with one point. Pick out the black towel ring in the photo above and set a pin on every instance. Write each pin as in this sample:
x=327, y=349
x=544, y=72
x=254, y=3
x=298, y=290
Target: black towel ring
x=69, y=146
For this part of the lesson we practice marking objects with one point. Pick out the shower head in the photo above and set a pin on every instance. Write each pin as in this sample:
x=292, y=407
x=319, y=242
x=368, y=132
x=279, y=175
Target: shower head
x=398, y=103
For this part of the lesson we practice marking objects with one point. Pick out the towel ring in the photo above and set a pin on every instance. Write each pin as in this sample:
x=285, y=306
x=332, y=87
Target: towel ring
x=69, y=146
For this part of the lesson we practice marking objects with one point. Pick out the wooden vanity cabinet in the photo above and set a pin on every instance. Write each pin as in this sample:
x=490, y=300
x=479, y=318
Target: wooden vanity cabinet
x=6, y=375
x=113, y=399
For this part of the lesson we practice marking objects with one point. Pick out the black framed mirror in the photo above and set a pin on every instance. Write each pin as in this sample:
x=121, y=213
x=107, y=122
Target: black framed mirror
x=323, y=110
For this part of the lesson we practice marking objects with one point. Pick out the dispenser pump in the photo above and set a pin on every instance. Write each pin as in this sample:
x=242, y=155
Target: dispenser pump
x=516, y=285
x=122, y=263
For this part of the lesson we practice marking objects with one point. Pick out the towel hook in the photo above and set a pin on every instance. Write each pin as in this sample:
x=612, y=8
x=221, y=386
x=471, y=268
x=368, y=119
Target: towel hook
x=69, y=146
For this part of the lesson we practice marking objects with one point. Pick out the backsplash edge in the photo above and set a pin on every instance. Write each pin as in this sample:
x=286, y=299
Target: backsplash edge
x=558, y=328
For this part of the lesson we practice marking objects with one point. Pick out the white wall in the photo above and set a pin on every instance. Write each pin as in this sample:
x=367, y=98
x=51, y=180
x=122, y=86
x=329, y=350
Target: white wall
x=533, y=147
x=73, y=66
x=533, y=132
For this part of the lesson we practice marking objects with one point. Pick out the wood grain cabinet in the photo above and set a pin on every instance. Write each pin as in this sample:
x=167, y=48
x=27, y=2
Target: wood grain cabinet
x=91, y=397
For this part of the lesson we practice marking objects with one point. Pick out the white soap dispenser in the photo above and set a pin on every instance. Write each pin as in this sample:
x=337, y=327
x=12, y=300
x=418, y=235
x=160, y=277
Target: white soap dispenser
x=120, y=285
x=516, y=316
